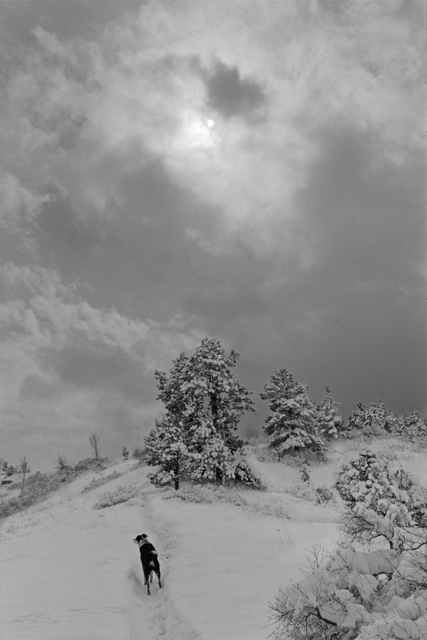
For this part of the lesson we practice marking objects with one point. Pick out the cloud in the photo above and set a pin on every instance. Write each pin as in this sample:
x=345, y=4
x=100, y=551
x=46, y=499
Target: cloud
x=76, y=104
x=230, y=94
x=62, y=359
x=289, y=227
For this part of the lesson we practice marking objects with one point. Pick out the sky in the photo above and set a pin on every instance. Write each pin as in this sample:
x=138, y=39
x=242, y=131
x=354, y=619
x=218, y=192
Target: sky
x=244, y=170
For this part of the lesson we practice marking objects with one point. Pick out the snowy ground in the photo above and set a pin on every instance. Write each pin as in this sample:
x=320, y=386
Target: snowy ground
x=69, y=572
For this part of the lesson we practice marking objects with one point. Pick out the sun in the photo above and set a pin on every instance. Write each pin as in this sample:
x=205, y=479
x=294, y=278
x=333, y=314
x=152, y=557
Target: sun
x=197, y=132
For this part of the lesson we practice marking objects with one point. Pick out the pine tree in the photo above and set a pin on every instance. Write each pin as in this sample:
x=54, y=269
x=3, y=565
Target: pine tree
x=377, y=417
x=202, y=396
x=371, y=420
x=291, y=423
x=414, y=427
x=328, y=419
x=165, y=446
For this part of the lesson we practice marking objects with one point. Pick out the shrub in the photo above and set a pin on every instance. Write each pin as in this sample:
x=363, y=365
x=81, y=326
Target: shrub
x=88, y=464
x=323, y=495
x=62, y=464
x=38, y=486
x=354, y=595
x=208, y=494
x=122, y=494
x=379, y=502
x=301, y=490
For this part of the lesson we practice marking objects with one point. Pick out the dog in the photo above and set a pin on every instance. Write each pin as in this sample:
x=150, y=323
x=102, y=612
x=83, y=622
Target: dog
x=149, y=560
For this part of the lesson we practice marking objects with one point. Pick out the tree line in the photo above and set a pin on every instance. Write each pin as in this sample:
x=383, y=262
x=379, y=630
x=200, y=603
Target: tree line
x=204, y=403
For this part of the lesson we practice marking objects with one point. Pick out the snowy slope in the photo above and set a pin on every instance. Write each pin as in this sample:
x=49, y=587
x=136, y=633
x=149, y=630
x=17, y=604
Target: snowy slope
x=70, y=572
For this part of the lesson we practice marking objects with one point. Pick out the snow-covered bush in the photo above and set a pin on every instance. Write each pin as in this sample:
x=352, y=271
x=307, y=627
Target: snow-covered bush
x=379, y=502
x=356, y=595
x=291, y=423
x=243, y=473
x=371, y=593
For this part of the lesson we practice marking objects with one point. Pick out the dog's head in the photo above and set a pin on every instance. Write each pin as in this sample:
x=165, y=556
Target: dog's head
x=141, y=538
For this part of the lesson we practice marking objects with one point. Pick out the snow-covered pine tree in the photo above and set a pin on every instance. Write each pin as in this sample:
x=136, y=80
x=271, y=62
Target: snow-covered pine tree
x=356, y=421
x=328, y=418
x=291, y=422
x=414, y=427
x=371, y=420
x=202, y=393
x=165, y=446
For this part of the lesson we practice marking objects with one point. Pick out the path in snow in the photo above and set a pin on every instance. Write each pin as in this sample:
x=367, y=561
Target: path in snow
x=70, y=572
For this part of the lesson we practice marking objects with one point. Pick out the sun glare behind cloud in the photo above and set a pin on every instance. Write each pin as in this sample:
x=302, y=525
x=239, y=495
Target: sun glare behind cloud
x=197, y=133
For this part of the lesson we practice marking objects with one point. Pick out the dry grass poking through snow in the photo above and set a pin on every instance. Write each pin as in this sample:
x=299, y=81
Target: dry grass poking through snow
x=98, y=482
x=248, y=499
x=121, y=494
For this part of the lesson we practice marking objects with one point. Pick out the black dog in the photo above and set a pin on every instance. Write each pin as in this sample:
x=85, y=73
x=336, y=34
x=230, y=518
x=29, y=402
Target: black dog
x=149, y=560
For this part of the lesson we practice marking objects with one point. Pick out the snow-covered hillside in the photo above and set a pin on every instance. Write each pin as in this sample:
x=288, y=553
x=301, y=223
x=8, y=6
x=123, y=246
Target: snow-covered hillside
x=72, y=572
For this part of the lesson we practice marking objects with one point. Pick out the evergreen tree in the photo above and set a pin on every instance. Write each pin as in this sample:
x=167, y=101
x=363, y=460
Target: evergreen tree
x=329, y=421
x=205, y=402
x=291, y=423
x=414, y=427
x=378, y=418
x=371, y=420
x=165, y=446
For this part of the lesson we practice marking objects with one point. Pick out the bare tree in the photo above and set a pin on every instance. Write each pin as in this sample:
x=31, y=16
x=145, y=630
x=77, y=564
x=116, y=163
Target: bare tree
x=25, y=470
x=94, y=443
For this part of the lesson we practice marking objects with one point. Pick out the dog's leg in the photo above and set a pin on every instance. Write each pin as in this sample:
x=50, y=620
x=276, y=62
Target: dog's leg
x=158, y=574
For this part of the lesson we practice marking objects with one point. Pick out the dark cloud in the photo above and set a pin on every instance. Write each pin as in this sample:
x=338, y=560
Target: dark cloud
x=34, y=387
x=90, y=369
x=61, y=229
x=365, y=214
x=231, y=95
x=140, y=258
x=355, y=319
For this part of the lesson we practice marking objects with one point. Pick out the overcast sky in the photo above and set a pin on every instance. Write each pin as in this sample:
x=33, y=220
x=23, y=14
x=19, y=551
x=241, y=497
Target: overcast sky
x=248, y=170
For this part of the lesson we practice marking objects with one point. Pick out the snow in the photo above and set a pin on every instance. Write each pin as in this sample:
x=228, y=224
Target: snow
x=70, y=572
